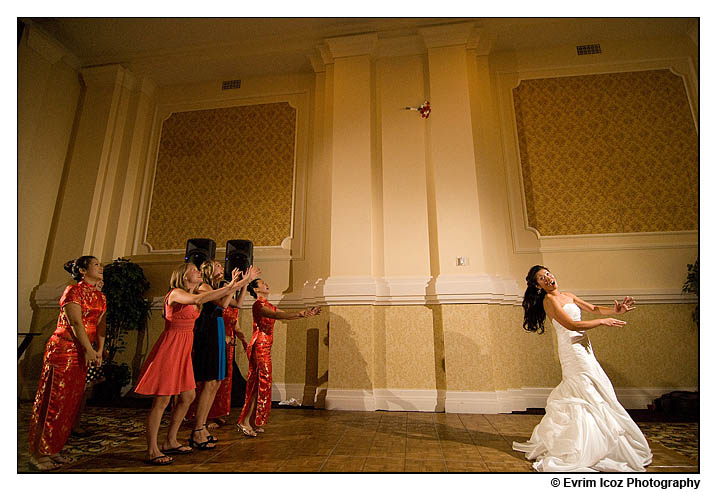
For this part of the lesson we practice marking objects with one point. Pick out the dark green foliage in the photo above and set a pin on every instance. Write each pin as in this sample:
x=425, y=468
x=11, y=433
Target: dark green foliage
x=691, y=286
x=115, y=377
x=127, y=309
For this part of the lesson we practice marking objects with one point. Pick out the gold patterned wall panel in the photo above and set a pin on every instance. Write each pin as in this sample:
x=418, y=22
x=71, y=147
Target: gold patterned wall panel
x=224, y=173
x=609, y=153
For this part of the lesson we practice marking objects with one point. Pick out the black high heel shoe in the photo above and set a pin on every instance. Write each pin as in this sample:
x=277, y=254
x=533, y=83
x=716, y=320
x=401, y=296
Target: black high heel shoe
x=200, y=445
x=210, y=437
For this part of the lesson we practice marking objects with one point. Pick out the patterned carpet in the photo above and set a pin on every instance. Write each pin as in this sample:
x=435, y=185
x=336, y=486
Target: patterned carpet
x=112, y=427
x=681, y=437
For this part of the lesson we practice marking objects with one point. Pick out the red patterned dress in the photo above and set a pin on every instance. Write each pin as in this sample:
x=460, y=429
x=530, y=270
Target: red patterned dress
x=62, y=381
x=259, y=351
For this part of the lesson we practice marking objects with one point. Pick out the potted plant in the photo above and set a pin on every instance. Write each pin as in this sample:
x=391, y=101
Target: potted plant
x=127, y=310
x=691, y=286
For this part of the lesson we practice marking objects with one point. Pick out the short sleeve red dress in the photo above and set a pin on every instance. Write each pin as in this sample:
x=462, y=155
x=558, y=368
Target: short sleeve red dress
x=62, y=381
x=168, y=368
x=259, y=376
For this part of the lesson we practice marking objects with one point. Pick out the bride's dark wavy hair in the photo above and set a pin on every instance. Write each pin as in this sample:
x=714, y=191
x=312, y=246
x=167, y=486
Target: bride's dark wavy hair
x=534, y=313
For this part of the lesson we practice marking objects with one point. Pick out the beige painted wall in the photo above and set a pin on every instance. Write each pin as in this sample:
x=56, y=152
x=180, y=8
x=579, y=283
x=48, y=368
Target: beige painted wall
x=49, y=92
x=420, y=192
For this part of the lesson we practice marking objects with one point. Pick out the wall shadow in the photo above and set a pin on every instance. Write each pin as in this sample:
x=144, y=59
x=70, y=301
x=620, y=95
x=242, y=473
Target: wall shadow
x=346, y=363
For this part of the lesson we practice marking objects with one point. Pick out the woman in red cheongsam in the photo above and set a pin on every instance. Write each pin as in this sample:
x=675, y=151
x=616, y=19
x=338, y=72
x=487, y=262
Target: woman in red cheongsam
x=76, y=344
x=223, y=399
x=258, y=396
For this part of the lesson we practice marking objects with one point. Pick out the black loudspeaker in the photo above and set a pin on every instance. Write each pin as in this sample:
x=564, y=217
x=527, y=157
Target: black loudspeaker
x=198, y=250
x=239, y=254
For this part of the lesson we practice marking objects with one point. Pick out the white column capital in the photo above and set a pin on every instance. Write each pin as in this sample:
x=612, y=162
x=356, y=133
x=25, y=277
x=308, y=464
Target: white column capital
x=360, y=44
x=44, y=45
x=482, y=41
x=317, y=61
x=107, y=75
x=448, y=35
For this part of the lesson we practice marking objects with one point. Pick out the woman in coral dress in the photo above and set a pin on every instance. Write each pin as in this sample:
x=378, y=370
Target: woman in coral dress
x=258, y=396
x=76, y=344
x=585, y=428
x=168, y=368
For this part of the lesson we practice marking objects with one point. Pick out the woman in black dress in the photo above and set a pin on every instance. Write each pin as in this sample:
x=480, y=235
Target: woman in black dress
x=209, y=359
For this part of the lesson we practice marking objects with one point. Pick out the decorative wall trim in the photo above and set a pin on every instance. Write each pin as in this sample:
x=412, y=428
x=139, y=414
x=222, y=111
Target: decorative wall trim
x=487, y=402
x=291, y=247
x=47, y=296
x=482, y=289
x=527, y=239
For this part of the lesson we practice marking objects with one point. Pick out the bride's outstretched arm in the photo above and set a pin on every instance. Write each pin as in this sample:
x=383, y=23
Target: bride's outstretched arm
x=619, y=308
x=556, y=311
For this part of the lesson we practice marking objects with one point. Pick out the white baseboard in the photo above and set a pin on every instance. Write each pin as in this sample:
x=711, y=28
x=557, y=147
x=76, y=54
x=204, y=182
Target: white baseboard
x=358, y=400
x=641, y=397
x=487, y=402
x=285, y=391
x=405, y=400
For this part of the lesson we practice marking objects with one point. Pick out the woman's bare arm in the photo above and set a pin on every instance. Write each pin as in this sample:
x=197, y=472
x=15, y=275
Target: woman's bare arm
x=289, y=315
x=73, y=312
x=554, y=309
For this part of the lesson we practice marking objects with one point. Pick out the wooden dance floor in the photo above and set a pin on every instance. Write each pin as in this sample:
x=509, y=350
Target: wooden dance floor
x=308, y=440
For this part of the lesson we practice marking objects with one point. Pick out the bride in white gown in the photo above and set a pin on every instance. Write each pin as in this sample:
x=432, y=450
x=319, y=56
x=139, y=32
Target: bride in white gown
x=585, y=429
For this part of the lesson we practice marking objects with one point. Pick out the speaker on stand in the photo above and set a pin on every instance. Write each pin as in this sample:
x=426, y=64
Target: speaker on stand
x=239, y=253
x=199, y=250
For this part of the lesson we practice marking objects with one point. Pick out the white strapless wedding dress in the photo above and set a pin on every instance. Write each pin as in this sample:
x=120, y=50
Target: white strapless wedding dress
x=585, y=429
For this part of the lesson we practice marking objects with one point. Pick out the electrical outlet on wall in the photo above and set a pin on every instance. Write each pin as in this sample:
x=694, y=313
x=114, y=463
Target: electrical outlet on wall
x=462, y=260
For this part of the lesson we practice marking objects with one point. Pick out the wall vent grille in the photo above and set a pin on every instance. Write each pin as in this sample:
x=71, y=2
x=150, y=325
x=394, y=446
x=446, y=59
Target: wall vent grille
x=231, y=84
x=588, y=49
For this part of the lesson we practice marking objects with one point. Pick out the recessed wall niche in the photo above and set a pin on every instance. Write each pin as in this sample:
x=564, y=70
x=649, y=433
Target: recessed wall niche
x=607, y=153
x=224, y=173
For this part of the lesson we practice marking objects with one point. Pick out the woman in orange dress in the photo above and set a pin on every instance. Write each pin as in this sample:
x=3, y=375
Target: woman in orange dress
x=168, y=368
x=76, y=344
x=258, y=396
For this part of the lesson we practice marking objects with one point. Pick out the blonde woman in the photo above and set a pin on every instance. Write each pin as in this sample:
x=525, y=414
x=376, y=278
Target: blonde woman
x=168, y=368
